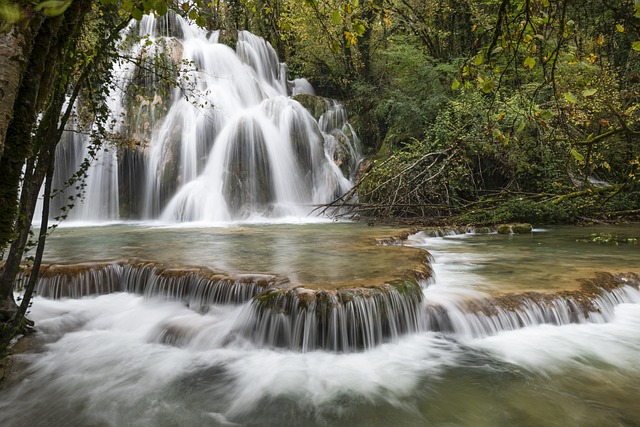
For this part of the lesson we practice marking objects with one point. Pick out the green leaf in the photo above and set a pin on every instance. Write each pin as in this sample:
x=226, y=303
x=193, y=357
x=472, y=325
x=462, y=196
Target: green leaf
x=201, y=22
x=53, y=7
x=127, y=6
x=636, y=45
x=455, y=85
x=529, y=62
x=336, y=18
x=570, y=97
x=359, y=28
x=579, y=157
x=487, y=86
x=620, y=28
x=9, y=13
x=136, y=14
x=161, y=8
x=479, y=59
x=546, y=114
x=589, y=92
x=193, y=14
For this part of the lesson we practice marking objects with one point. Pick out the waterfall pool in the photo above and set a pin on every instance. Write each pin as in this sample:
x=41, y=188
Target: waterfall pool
x=123, y=358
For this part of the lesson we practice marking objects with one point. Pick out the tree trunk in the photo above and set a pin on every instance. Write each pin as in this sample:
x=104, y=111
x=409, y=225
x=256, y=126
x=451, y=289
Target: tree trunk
x=50, y=47
x=18, y=141
x=15, y=49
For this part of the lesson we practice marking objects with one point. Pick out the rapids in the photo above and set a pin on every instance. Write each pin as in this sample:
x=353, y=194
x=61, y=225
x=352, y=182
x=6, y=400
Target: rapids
x=139, y=358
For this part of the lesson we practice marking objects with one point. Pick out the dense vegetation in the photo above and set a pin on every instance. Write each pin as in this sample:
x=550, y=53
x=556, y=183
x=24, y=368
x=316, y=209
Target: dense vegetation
x=471, y=111
x=480, y=111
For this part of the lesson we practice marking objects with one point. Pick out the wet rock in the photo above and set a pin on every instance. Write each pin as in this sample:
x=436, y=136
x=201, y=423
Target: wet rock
x=504, y=229
x=521, y=228
x=316, y=105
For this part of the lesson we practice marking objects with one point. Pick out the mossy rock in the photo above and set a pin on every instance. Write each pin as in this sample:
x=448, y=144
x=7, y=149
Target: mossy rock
x=482, y=230
x=504, y=229
x=523, y=228
x=315, y=105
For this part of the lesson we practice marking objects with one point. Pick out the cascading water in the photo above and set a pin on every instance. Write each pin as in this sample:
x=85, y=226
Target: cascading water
x=226, y=144
x=165, y=343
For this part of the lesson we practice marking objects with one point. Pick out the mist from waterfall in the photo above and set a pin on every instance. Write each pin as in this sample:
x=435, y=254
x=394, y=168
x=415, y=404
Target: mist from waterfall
x=227, y=143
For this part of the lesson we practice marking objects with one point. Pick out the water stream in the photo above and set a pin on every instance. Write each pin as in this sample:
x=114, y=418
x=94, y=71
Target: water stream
x=126, y=358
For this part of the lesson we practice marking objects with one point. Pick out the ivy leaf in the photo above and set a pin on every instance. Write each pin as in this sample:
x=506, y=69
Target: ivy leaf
x=589, y=92
x=570, y=97
x=529, y=62
x=579, y=157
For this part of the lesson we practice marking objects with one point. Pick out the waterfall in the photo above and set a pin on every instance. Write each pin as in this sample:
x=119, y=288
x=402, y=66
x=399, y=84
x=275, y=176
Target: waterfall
x=226, y=143
x=278, y=314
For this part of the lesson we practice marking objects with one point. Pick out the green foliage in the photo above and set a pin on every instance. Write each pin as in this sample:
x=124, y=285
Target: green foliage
x=414, y=89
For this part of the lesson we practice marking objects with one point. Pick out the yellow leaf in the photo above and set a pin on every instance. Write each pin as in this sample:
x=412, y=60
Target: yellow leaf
x=620, y=28
x=529, y=62
x=600, y=40
x=455, y=85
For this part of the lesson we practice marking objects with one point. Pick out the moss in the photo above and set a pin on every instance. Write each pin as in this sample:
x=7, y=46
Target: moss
x=523, y=228
x=504, y=229
x=315, y=105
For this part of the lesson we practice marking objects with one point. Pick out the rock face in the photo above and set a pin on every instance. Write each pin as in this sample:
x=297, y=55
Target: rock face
x=315, y=105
